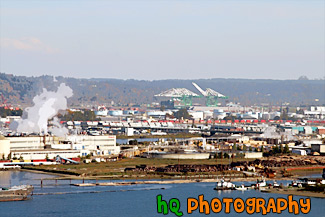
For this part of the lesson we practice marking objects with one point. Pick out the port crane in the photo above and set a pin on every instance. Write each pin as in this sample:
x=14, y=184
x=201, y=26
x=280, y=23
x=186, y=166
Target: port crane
x=179, y=94
x=186, y=96
x=210, y=95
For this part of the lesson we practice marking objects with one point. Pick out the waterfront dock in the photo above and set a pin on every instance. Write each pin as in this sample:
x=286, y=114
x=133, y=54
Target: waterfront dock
x=171, y=181
x=143, y=182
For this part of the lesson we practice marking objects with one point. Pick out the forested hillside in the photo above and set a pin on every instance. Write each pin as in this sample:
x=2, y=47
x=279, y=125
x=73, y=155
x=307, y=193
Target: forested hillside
x=19, y=90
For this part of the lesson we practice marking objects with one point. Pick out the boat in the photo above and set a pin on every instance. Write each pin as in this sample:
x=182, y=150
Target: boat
x=16, y=193
x=261, y=183
x=241, y=188
x=224, y=185
x=297, y=184
x=276, y=185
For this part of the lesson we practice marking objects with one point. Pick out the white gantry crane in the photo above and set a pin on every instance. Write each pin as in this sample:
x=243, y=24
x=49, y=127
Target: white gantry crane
x=211, y=96
x=181, y=94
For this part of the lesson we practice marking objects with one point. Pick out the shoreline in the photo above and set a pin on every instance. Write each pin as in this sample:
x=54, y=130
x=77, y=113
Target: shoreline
x=59, y=175
x=41, y=172
x=178, y=179
x=118, y=175
x=172, y=180
x=295, y=192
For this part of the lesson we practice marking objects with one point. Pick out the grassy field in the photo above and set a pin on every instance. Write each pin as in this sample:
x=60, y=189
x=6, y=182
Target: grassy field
x=117, y=168
x=306, y=172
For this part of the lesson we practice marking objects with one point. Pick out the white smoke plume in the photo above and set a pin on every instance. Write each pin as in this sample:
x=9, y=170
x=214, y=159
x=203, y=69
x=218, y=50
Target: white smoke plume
x=46, y=106
x=57, y=129
x=271, y=132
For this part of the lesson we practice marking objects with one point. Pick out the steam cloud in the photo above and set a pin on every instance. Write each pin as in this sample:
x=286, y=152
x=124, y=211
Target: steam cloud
x=46, y=106
x=271, y=132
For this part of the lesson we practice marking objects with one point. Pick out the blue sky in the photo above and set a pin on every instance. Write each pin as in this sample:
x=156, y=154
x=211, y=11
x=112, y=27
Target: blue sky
x=163, y=39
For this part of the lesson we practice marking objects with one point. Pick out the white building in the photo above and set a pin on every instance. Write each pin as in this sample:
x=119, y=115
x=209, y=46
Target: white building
x=4, y=147
x=299, y=152
x=98, y=145
x=38, y=147
x=197, y=115
x=29, y=142
x=129, y=131
x=45, y=153
x=219, y=114
x=253, y=154
x=316, y=112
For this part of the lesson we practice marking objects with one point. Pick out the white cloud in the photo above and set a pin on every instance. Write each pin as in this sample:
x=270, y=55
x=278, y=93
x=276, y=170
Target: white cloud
x=27, y=44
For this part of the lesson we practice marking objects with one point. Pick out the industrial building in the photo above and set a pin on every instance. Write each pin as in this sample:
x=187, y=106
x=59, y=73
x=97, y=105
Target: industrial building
x=320, y=148
x=45, y=154
x=41, y=147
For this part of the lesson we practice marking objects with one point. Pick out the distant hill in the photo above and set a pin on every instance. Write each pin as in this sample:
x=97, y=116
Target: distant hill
x=95, y=91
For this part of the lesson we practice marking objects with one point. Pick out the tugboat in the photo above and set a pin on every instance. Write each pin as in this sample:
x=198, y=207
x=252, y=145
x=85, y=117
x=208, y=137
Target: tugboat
x=16, y=193
x=224, y=185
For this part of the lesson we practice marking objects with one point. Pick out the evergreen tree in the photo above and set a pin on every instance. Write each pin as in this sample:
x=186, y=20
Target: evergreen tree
x=86, y=115
x=286, y=148
x=234, y=147
x=162, y=108
x=182, y=113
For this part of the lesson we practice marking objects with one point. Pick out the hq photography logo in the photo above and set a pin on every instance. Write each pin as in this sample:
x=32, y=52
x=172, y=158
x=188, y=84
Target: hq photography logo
x=250, y=205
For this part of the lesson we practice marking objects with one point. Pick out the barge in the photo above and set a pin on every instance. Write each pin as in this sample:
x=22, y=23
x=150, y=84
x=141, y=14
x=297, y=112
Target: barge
x=16, y=193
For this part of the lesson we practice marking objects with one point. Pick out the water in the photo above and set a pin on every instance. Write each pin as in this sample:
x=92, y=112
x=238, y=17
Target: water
x=120, y=201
